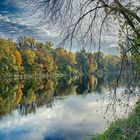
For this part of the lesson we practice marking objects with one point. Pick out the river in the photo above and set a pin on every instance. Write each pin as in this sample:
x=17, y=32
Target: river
x=61, y=108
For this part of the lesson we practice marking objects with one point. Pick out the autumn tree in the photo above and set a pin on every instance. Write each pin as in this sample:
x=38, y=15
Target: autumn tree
x=28, y=57
x=44, y=58
x=86, y=62
x=65, y=60
x=18, y=60
x=8, y=63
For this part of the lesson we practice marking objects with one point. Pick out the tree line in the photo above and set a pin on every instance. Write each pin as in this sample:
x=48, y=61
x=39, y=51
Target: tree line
x=26, y=56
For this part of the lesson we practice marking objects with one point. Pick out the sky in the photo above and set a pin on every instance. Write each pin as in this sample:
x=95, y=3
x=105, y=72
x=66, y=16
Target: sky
x=17, y=20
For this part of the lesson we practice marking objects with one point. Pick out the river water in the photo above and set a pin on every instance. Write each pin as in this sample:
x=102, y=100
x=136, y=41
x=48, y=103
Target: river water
x=61, y=108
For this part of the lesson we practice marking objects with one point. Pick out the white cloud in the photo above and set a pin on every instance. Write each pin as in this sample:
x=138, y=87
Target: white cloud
x=74, y=114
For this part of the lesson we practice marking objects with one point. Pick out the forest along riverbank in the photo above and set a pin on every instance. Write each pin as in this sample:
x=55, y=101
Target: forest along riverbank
x=27, y=57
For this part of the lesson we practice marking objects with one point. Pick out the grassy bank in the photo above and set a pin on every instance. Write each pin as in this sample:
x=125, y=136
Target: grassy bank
x=123, y=129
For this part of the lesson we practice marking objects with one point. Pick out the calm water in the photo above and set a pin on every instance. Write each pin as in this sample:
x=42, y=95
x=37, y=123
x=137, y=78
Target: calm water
x=62, y=108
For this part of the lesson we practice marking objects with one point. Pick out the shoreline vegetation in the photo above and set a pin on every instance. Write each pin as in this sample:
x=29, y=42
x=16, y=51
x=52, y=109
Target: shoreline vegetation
x=26, y=76
x=28, y=58
x=124, y=128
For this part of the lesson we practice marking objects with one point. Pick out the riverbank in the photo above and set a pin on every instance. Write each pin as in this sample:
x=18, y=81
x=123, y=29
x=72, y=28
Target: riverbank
x=123, y=129
x=28, y=76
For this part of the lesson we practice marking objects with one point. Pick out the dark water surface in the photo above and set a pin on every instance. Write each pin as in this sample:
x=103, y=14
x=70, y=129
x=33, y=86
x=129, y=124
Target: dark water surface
x=61, y=109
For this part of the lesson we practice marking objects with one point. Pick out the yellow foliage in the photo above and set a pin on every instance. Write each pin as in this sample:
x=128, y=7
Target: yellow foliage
x=19, y=94
x=18, y=58
x=49, y=63
x=30, y=56
x=72, y=57
x=92, y=81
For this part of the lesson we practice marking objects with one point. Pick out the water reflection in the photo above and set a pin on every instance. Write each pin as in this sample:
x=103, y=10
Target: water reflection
x=64, y=108
x=27, y=95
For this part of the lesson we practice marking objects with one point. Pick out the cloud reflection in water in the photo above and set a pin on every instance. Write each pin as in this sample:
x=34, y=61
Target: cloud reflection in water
x=71, y=117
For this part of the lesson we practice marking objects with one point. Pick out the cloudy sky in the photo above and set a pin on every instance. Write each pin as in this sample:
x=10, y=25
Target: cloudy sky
x=16, y=19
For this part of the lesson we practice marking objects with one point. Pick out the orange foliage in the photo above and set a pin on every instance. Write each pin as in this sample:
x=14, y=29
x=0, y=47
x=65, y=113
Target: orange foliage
x=18, y=58
x=19, y=94
x=92, y=81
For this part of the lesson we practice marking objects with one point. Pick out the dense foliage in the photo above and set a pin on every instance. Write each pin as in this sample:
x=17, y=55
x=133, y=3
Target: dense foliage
x=29, y=57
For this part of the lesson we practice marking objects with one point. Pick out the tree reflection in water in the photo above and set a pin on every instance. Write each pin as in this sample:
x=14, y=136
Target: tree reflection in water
x=27, y=95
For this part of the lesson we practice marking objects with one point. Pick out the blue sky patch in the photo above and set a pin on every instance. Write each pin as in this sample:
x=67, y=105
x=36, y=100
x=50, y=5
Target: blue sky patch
x=16, y=21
